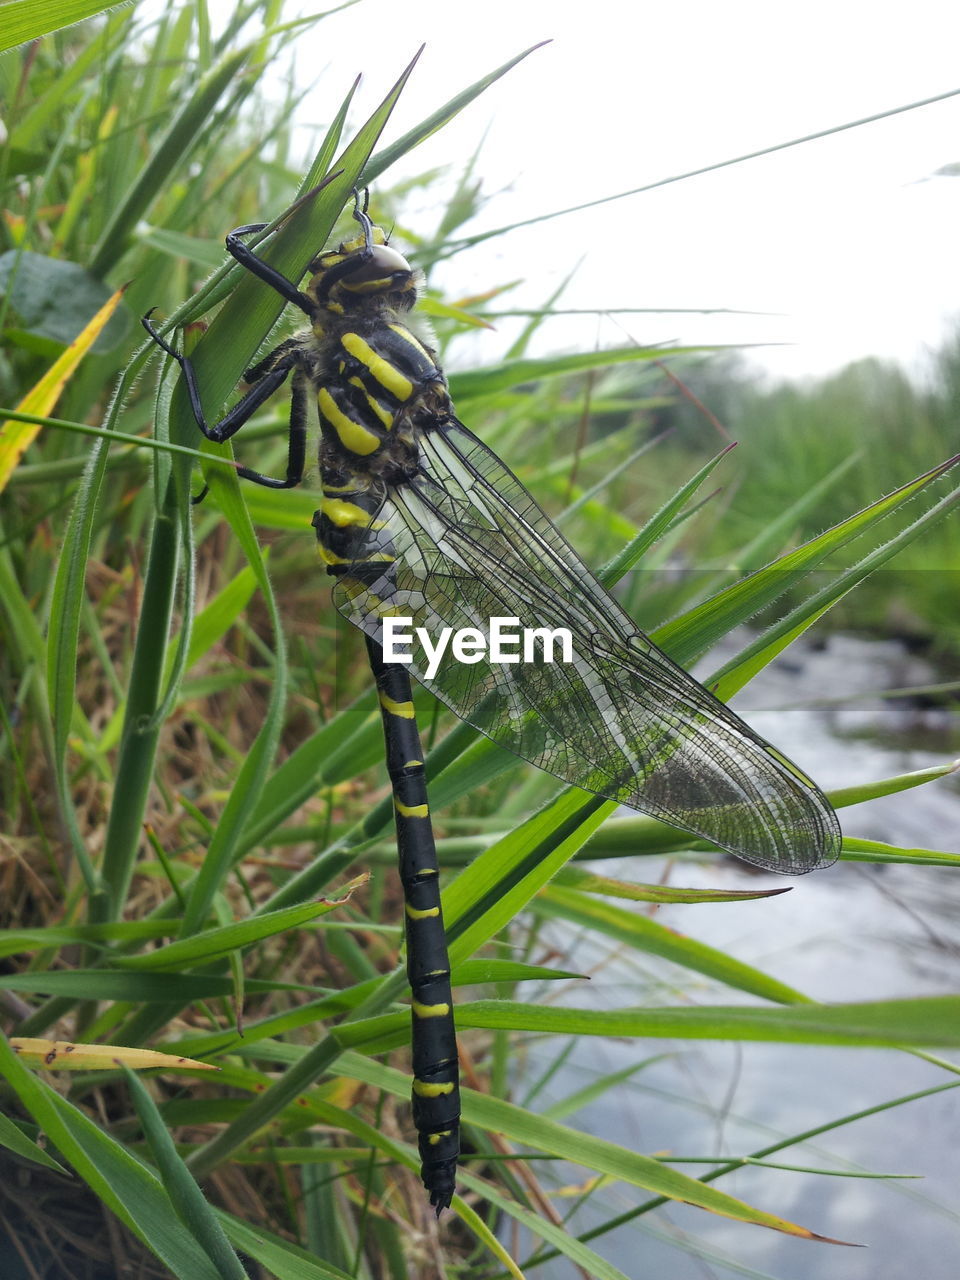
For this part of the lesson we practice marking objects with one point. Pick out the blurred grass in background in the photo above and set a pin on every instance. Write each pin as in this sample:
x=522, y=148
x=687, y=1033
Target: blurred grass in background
x=190, y=745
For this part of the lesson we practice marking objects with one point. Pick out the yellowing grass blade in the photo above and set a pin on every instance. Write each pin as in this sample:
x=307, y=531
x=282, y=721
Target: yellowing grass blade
x=64, y=1055
x=16, y=437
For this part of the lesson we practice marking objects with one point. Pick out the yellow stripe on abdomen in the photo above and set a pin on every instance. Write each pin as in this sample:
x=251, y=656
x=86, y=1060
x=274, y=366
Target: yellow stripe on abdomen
x=424, y=1090
x=429, y=1010
x=404, y=709
x=416, y=914
x=412, y=810
x=343, y=514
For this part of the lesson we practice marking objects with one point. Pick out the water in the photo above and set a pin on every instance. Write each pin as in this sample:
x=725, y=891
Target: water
x=854, y=932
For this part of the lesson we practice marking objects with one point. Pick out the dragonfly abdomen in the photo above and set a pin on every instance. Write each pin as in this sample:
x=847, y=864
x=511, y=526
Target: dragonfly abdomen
x=436, y=1093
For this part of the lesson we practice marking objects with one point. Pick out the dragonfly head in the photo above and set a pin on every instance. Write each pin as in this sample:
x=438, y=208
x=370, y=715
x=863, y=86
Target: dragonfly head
x=363, y=275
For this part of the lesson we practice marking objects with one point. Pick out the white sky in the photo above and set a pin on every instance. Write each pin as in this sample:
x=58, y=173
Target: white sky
x=848, y=237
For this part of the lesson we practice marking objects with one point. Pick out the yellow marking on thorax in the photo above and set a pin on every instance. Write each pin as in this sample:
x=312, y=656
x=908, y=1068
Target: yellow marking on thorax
x=416, y=914
x=331, y=557
x=343, y=514
x=382, y=412
x=434, y=1138
x=397, y=383
x=411, y=339
x=429, y=1010
x=404, y=709
x=328, y=556
x=412, y=810
x=424, y=1090
x=380, y=285
x=386, y=416
x=354, y=437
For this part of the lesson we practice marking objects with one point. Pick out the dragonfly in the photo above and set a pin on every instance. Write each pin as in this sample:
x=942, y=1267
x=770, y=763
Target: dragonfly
x=420, y=520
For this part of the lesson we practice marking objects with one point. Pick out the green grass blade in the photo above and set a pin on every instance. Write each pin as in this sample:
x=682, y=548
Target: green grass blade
x=173, y=150
x=500, y=882
x=141, y=726
x=922, y=1022
x=223, y=849
x=381, y=162
x=470, y=384
x=489, y=970
x=893, y=785
x=589, y=882
x=220, y=941
x=170, y=989
x=31, y=19
x=687, y=637
x=537, y=1131
x=643, y=934
x=657, y=525
x=185, y=1196
x=875, y=851
x=734, y=674
x=13, y=941
x=125, y=1186
x=13, y=1139
x=281, y=1258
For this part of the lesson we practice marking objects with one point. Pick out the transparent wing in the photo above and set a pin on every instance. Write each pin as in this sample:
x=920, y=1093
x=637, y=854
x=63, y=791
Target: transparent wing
x=621, y=720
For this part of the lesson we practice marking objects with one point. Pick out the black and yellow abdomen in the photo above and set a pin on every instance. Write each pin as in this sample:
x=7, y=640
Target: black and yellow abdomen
x=436, y=1092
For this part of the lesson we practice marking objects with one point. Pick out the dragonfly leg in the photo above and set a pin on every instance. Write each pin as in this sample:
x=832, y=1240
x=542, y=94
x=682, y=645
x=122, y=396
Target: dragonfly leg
x=355, y=260
x=268, y=381
x=263, y=271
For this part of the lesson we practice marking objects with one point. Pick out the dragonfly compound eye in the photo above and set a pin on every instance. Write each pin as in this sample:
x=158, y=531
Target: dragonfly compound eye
x=381, y=268
x=384, y=258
